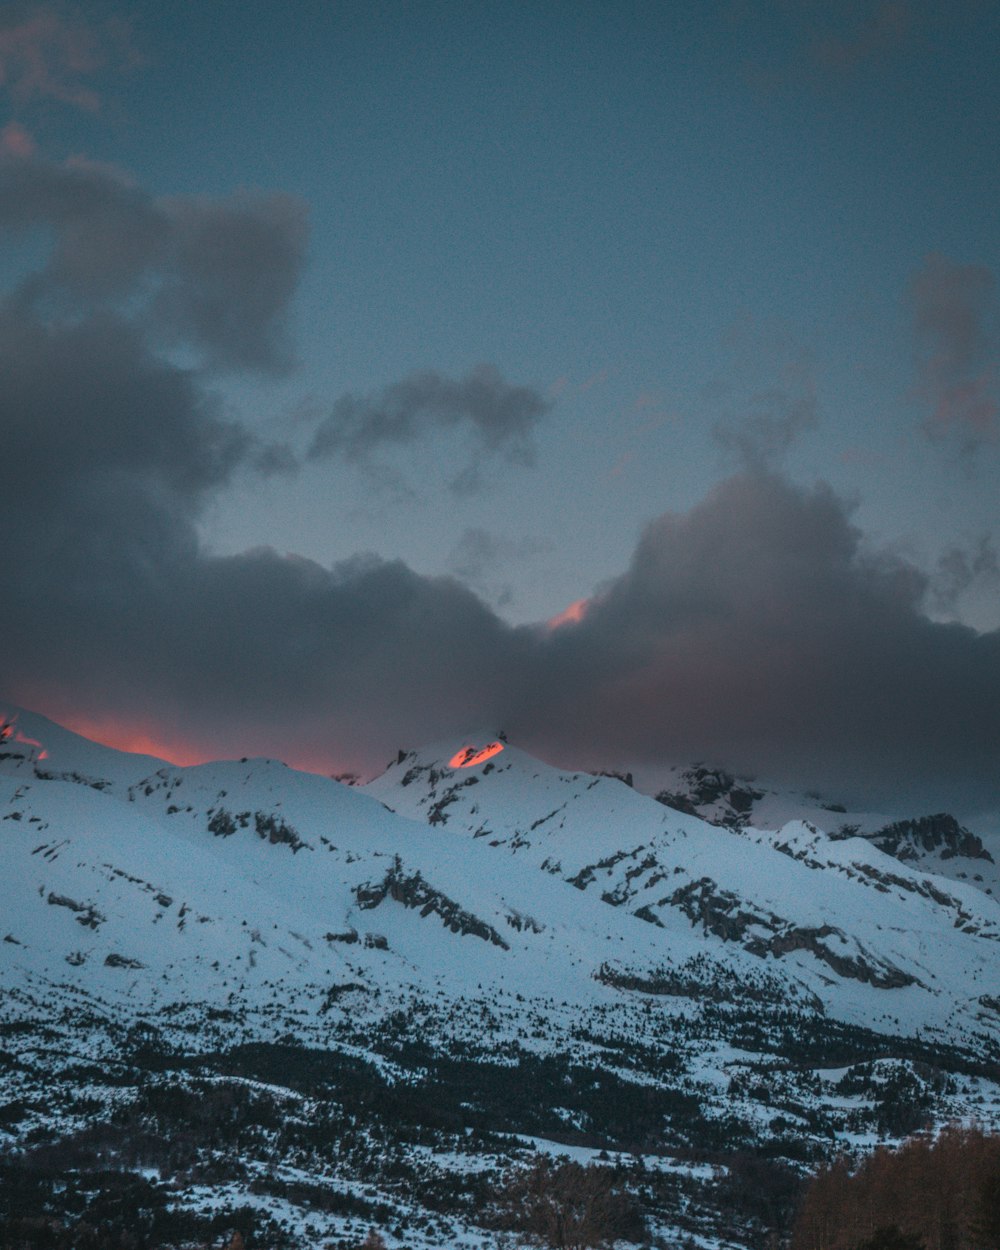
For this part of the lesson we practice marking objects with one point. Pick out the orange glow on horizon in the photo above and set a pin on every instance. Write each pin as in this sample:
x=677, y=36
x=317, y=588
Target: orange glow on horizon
x=572, y=615
x=121, y=735
x=124, y=737
x=469, y=756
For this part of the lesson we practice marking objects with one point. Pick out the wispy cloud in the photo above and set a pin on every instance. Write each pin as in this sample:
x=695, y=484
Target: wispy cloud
x=767, y=393
x=955, y=321
x=16, y=141
x=53, y=54
x=498, y=417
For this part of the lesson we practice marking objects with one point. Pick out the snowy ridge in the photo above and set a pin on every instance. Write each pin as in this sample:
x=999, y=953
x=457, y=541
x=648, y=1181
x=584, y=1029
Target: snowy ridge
x=491, y=929
x=934, y=842
x=843, y=918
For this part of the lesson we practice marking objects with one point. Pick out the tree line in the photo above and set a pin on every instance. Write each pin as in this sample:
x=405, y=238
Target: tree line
x=932, y=1193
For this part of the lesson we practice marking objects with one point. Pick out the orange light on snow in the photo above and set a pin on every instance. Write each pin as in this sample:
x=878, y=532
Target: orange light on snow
x=468, y=756
x=10, y=732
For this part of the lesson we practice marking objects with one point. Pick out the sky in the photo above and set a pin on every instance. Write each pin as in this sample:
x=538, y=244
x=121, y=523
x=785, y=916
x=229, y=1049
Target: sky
x=622, y=375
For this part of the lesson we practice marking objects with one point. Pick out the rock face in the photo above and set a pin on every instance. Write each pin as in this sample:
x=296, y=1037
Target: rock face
x=731, y=800
x=412, y=890
x=937, y=843
x=909, y=840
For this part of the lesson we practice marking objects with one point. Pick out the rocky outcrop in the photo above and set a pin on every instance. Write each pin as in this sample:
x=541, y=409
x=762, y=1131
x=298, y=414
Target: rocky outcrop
x=121, y=961
x=223, y=824
x=86, y=913
x=725, y=915
x=412, y=890
x=941, y=835
x=713, y=787
x=858, y=967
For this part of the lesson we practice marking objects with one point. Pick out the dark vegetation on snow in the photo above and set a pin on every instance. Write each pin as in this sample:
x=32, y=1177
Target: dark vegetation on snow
x=283, y=1120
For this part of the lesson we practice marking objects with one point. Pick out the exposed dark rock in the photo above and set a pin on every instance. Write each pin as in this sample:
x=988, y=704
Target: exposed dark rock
x=121, y=961
x=413, y=891
x=222, y=824
x=338, y=991
x=519, y=921
x=941, y=833
x=623, y=777
x=86, y=913
x=708, y=787
x=277, y=831
x=877, y=972
x=718, y=911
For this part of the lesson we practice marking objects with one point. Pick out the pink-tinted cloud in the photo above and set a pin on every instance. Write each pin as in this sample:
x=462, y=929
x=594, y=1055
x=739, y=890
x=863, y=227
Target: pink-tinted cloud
x=16, y=141
x=955, y=315
x=621, y=464
x=572, y=615
x=46, y=54
x=822, y=45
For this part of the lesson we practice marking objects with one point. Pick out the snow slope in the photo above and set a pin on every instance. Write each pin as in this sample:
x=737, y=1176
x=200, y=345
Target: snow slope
x=468, y=934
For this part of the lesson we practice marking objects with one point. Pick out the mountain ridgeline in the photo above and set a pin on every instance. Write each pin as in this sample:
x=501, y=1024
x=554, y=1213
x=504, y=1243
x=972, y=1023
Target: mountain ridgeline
x=301, y=1009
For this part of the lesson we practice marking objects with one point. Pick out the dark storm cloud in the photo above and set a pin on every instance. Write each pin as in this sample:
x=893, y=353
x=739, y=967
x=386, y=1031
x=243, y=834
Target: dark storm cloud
x=112, y=607
x=236, y=264
x=498, y=416
x=955, y=321
x=111, y=451
x=216, y=275
x=87, y=400
x=755, y=630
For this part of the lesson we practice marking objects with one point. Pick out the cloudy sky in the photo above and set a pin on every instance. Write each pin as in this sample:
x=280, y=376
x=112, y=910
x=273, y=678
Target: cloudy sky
x=623, y=374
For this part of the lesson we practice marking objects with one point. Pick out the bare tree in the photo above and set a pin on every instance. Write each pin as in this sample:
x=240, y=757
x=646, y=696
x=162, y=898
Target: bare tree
x=569, y=1207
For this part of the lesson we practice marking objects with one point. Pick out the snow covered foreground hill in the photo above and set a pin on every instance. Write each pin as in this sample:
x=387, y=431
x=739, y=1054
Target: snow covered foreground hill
x=391, y=995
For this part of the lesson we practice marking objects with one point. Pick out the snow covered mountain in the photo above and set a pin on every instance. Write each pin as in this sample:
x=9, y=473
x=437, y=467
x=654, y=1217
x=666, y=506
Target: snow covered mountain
x=841, y=919
x=472, y=958
x=932, y=842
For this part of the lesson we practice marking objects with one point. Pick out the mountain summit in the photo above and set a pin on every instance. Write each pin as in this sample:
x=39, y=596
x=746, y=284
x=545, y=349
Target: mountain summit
x=473, y=958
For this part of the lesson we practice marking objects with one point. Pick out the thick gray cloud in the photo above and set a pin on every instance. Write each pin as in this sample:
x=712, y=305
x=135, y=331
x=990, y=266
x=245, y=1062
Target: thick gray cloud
x=235, y=265
x=498, y=416
x=112, y=609
x=215, y=275
x=111, y=453
x=955, y=319
x=960, y=570
x=755, y=630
